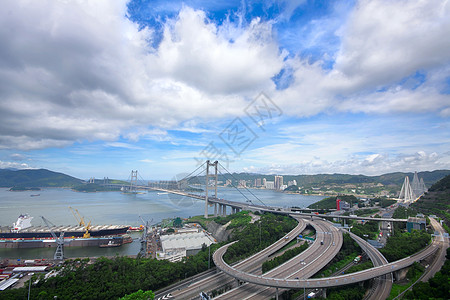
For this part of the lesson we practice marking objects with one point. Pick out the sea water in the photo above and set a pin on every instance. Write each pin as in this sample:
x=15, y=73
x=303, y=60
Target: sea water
x=116, y=208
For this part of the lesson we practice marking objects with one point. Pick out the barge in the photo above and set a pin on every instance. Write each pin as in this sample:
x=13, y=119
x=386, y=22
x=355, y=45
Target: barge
x=23, y=235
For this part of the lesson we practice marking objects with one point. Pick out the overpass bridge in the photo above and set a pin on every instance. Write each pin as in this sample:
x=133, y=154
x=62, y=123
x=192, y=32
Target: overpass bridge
x=382, y=268
x=220, y=206
x=328, y=281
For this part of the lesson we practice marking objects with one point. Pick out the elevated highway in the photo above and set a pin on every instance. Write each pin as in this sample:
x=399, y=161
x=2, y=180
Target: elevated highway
x=250, y=264
x=327, y=244
x=324, y=282
x=383, y=284
x=262, y=208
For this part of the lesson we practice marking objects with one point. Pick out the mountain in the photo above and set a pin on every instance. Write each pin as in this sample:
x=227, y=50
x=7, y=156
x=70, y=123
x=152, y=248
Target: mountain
x=324, y=179
x=36, y=178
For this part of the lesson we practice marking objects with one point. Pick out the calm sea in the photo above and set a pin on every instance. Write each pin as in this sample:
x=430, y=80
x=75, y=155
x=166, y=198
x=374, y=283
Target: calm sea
x=116, y=208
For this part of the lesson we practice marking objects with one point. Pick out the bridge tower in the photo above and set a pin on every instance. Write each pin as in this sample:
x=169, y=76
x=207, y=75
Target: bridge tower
x=207, y=187
x=133, y=181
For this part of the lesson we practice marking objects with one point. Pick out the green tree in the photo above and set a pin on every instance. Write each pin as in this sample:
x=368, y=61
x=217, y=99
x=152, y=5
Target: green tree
x=139, y=295
x=177, y=222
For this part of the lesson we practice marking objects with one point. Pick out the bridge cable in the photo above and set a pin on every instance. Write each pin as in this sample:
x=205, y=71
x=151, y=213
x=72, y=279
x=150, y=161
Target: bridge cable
x=244, y=186
x=185, y=177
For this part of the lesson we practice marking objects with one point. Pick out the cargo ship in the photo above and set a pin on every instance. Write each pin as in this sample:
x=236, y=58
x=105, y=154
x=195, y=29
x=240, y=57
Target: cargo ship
x=23, y=235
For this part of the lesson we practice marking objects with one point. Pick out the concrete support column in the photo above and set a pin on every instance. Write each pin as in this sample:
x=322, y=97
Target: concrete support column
x=276, y=295
x=224, y=212
x=215, y=209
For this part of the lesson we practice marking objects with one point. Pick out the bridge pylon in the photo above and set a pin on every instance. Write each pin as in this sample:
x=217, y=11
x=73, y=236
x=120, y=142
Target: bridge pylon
x=207, y=186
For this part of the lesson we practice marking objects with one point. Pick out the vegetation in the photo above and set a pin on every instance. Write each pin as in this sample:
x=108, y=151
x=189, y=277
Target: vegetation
x=326, y=179
x=414, y=272
x=402, y=213
x=436, y=201
x=275, y=262
x=36, y=178
x=114, y=278
x=366, y=230
x=139, y=295
x=23, y=189
x=350, y=249
x=330, y=202
x=292, y=188
x=438, y=286
x=178, y=222
x=350, y=292
x=359, y=267
x=384, y=202
x=237, y=220
x=259, y=235
x=94, y=187
x=200, y=220
x=362, y=212
x=401, y=245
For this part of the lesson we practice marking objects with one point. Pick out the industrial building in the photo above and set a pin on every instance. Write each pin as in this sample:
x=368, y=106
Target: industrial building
x=416, y=223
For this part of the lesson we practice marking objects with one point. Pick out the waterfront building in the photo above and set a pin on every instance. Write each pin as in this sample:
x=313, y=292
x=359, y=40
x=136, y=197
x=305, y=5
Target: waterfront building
x=270, y=185
x=278, y=182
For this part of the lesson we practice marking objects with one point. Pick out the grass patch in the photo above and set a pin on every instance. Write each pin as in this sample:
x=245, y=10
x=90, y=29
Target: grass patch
x=273, y=263
x=290, y=244
x=414, y=273
x=359, y=267
x=337, y=265
x=200, y=220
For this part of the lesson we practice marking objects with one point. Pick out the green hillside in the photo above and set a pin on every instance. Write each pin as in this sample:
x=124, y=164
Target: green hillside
x=436, y=201
x=330, y=202
x=323, y=179
x=36, y=178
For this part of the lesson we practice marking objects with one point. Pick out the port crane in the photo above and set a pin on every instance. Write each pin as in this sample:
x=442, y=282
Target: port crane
x=81, y=222
x=59, y=253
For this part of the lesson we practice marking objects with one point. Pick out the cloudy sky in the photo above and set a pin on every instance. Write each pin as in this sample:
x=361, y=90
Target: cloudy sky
x=100, y=88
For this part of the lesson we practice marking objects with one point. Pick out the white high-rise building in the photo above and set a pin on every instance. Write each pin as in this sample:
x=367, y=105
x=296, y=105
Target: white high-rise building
x=270, y=185
x=278, y=182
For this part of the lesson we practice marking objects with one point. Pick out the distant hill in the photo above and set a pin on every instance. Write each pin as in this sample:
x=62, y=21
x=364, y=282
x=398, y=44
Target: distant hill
x=436, y=201
x=36, y=178
x=323, y=179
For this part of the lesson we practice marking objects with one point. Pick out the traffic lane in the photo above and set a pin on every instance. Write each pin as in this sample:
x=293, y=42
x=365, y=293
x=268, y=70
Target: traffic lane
x=301, y=263
x=309, y=269
x=223, y=279
x=248, y=289
x=440, y=260
x=325, y=282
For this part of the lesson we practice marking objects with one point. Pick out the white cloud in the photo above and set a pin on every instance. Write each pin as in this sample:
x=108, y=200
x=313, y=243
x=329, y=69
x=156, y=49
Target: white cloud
x=13, y=165
x=82, y=71
x=382, y=43
x=377, y=165
x=385, y=41
x=78, y=71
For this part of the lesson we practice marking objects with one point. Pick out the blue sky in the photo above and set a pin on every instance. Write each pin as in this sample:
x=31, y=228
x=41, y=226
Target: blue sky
x=100, y=88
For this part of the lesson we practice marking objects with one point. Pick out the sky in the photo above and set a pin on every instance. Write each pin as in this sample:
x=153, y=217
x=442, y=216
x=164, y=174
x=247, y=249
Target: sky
x=100, y=88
